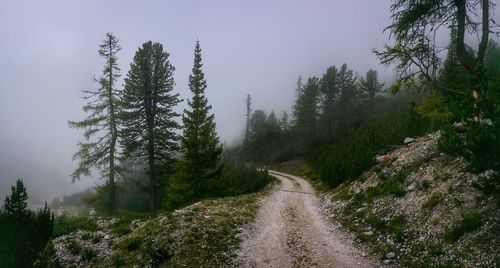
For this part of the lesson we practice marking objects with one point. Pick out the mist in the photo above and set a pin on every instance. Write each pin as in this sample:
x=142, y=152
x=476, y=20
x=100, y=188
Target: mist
x=48, y=54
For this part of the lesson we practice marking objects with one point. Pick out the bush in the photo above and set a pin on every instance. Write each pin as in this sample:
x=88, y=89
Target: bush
x=468, y=224
x=348, y=158
x=64, y=225
x=450, y=142
x=234, y=179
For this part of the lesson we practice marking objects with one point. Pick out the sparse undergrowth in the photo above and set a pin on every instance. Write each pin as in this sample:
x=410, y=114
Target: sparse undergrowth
x=205, y=234
x=420, y=208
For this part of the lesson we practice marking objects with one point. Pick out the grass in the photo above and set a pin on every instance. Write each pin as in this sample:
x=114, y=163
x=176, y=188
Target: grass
x=468, y=224
x=64, y=225
x=425, y=185
x=433, y=201
x=204, y=234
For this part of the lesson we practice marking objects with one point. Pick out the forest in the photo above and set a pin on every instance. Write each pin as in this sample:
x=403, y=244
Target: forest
x=155, y=161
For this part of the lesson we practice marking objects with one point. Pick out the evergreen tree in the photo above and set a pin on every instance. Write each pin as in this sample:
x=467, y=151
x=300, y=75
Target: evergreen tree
x=200, y=144
x=148, y=115
x=329, y=91
x=346, y=114
x=284, y=124
x=306, y=110
x=369, y=87
x=102, y=123
x=298, y=92
x=17, y=202
x=272, y=127
x=248, y=102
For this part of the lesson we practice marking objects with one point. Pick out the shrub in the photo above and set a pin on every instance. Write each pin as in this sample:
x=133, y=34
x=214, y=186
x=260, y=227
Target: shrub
x=64, y=225
x=235, y=179
x=468, y=224
x=450, y=142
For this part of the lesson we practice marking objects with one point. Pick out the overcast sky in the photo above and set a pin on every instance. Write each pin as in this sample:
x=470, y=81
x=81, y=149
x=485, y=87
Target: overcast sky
x=48, y=54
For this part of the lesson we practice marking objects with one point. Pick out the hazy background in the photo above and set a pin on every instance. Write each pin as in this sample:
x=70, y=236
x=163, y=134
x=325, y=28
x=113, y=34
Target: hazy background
x=48, y=54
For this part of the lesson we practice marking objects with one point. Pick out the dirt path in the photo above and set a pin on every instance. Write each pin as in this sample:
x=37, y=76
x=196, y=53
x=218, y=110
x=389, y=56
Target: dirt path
x=289, y=231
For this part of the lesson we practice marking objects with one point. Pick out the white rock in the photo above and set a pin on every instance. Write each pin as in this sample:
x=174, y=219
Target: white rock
x=92, y=212
x=360, y=209
x=487, y=174
x=390, y=255
x=411, y=187
x=408, y=140
x=368, y=233
x=459, y=127
x=107, y=237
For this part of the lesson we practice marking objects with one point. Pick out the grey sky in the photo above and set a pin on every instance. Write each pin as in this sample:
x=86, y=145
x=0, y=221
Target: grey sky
x=48, y=54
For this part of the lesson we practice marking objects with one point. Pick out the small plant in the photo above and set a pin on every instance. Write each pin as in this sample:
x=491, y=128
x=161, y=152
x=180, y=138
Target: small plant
x=468, y=224
x=73, y=247
x=397, y=227
x=88, y=254
x=443, y=176
x=433, y=201
x=86, y=236
x=425, y=185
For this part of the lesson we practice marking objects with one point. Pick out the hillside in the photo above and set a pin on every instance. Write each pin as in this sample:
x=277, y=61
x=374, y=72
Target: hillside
x=206, y=234
x=419, y=207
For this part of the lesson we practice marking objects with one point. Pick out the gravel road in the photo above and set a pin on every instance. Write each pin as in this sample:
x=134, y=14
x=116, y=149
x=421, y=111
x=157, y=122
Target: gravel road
x=289, y=231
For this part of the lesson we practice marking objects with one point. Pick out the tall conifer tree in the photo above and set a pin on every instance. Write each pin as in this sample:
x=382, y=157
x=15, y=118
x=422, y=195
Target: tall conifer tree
x=200, y=144
x=101, y=153
x=148, y=115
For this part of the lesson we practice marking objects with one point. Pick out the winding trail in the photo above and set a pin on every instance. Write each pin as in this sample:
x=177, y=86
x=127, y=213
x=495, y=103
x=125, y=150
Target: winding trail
x=289, y=231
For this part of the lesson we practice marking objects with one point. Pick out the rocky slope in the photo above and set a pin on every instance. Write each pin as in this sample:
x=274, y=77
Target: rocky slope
x=205, y=234
x=418, y=207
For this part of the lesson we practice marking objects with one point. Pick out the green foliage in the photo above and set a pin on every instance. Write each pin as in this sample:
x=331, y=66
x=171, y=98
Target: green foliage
x=17, y=202
x=347, y=158
x=24, y=232
x=235, y=179
x=102, y=123
x=64, y=225
x=433, y=201
x=450, y=142
x=435, y=109
x=306, y=112
x=492, y=57
x=468, y=224
x=148, y=115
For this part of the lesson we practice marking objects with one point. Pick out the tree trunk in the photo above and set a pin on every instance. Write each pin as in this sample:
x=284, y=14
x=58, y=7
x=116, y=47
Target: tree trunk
x=485, y=31
x=460, y=42
x=114, y=136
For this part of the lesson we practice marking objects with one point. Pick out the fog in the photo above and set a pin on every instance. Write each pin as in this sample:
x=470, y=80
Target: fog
x=48, y=54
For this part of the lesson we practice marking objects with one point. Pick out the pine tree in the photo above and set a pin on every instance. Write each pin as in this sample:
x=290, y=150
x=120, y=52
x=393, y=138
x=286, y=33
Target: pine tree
x=284, y=124
x=346, y=115
x=148, y=115
x=200, y=144
x=248, y=103
x=298, y=92
x=329, y=91
x=369, y=87
x=306, y=110
x=101, y=153
x=17, y=202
